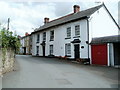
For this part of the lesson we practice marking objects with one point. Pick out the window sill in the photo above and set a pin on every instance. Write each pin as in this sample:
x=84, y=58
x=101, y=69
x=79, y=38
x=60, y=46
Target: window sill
x=76, y=36
x=37, y=42
x=51, y=55
x=37, y=54
x=51, y=40
x=68, y=55
x=68, y=38
x=44, y=41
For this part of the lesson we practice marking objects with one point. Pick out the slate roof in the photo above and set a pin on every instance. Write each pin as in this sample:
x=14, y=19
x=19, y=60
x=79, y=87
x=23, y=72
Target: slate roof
x=69, y=18
x=107, y=39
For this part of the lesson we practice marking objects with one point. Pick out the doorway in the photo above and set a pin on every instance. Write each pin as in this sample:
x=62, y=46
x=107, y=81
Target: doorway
x=43, y=50
x=77, y=51
x=24, y=50
x=117, y=53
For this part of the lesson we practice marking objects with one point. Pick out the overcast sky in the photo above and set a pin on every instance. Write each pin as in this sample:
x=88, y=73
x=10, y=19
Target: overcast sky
x=26, y=16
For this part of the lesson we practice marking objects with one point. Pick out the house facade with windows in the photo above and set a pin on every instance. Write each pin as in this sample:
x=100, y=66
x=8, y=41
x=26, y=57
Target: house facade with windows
x=26, y=44
x=70, y=35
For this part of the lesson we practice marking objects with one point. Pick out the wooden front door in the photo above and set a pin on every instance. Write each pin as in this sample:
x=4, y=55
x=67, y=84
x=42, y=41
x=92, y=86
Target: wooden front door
x=43, y=50
x=77, y=51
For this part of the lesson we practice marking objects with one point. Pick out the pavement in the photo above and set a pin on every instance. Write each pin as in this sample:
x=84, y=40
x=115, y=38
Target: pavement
x=39, y=72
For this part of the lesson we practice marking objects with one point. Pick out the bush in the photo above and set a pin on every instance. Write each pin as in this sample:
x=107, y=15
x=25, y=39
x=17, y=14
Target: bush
x=8, y=42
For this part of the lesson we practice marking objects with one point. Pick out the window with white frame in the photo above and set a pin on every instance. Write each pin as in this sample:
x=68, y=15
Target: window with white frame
x=68, y=32
x=51, y=49
x=38, y=38
x=37, y=50
x=67, y=49
x=44, y=36
x=51, y=35
x=77, y=30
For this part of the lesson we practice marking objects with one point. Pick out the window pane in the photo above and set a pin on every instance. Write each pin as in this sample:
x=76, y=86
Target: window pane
x=38, y=38
x=44, y=36
x=51, y=49
x=77, y=30
x=51, y=35
x=69, y=32
x=67, y=49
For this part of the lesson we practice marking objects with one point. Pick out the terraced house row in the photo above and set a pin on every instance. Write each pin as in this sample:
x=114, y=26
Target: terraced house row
x=76, y=36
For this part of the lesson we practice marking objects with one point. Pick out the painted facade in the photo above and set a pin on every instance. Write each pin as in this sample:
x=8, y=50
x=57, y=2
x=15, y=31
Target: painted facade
x=26, y=45
x=71, y=38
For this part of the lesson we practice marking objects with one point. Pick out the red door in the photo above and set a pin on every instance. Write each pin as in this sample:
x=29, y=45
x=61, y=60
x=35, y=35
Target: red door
x=99, y=54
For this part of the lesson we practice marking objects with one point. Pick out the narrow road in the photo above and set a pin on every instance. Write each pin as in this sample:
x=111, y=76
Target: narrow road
x=38, y=72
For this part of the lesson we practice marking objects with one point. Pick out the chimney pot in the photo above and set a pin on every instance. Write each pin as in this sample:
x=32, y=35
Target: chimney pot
x=26, y=34
x=76, y=8
x=46, y=20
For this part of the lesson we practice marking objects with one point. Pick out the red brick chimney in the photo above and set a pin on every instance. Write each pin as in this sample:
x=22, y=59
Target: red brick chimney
x=76, y=8
x=46, y=20
x=26, y=34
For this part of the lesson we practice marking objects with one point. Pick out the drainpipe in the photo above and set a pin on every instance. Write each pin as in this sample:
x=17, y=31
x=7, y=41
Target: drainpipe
x=88, y=36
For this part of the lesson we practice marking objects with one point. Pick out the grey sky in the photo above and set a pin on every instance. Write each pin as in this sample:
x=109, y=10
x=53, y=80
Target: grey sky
x=25, y=16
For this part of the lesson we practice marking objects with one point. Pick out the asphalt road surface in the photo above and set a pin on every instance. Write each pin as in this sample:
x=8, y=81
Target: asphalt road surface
x=39, y=72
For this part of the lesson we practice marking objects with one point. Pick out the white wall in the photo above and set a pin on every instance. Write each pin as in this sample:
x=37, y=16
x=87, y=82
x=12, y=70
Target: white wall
x=33, y=45
x=111, y=54
x=101, y=24
x=60, y=41
x=119, y=15
x=22, y=45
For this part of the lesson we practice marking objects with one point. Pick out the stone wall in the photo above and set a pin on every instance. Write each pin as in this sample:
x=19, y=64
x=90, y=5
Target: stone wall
x=7, y=61
x=0, y=62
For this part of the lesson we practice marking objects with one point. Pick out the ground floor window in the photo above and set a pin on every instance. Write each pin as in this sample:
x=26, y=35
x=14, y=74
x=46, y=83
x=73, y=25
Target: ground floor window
x=68, y=49
x=51, y=49
x=37, y=50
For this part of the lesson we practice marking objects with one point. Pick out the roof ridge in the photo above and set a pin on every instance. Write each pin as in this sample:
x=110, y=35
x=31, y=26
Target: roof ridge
x=70, y=17
x=74, y=13
x=62, y=17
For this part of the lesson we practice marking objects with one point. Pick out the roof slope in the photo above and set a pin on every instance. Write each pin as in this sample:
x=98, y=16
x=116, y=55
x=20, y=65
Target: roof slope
x=107, y=39
x=69, y=18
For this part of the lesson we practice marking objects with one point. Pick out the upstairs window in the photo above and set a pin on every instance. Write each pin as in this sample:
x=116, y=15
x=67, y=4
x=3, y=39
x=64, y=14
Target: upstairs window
x=51, y=49
x=38, y=38
x=44, y=36
x=67, y=49
x=77, y=30
x=52, y=35
x=69, y=32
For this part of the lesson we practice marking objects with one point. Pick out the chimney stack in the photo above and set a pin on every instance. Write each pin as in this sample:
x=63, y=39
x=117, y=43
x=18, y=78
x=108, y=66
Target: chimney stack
x=26, y=34
x=76, y=8
x=46, y=20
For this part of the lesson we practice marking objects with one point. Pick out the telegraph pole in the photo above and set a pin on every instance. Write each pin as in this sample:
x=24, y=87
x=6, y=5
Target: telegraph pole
x=8, y=23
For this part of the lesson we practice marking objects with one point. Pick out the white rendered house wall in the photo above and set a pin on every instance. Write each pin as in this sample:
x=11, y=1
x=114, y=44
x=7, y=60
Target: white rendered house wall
x=101, y=24
x=60, y=41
